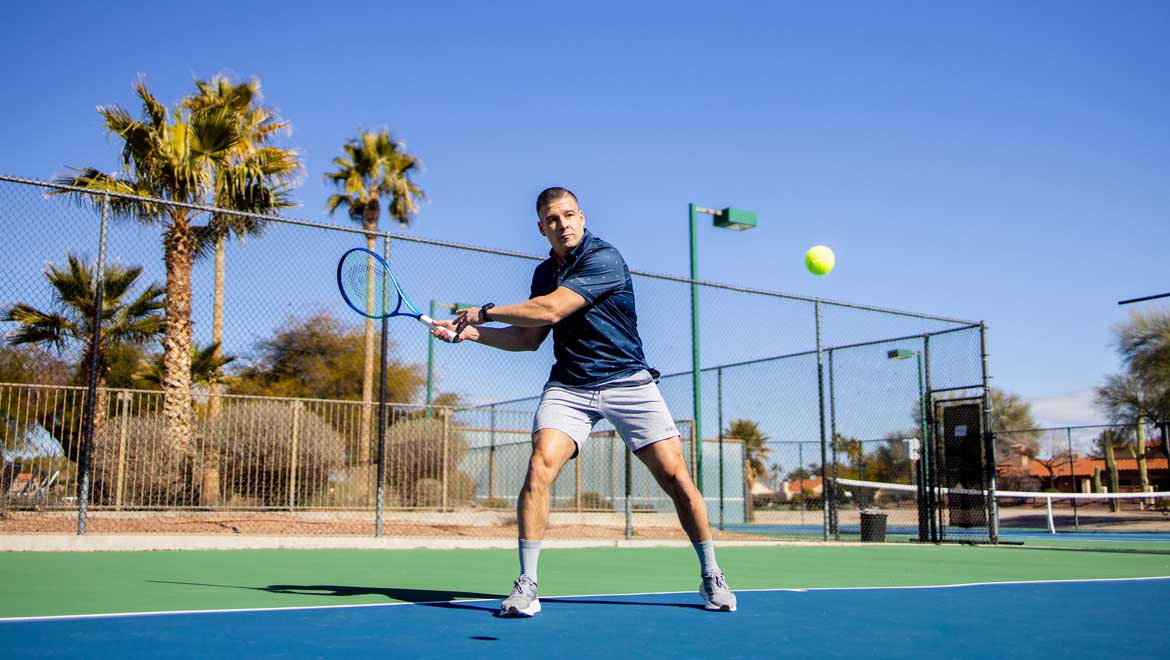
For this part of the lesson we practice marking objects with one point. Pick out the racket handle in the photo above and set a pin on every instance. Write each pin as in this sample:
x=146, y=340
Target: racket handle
x=448, y=336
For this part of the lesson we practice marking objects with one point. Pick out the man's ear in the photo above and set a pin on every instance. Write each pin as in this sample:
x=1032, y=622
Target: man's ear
x=540, y=227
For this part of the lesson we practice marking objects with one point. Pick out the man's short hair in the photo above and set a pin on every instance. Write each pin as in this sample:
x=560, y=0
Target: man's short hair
x=550, y=195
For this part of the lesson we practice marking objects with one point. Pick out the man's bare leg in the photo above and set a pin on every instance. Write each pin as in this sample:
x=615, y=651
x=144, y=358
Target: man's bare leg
x=665, y=461
x=551, y=449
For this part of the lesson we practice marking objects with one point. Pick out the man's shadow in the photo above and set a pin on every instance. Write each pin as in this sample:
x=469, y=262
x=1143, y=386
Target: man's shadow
x=443, y=598
x=429, y=597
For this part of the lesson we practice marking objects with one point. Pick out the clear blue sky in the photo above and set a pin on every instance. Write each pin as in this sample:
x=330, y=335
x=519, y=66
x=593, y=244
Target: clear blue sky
x=1001, y=161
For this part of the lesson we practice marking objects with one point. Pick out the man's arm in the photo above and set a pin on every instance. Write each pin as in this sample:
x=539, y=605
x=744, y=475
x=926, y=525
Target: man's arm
x=538, y=312
x=511, y=338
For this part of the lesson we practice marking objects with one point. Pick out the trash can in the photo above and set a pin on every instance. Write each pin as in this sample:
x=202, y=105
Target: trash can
x=873, y=526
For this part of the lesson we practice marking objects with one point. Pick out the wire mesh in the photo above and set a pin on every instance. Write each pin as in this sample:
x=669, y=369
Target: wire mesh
x=285, y=439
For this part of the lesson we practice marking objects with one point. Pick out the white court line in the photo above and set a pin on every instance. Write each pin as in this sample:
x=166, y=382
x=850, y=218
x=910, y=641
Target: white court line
x=110, y=615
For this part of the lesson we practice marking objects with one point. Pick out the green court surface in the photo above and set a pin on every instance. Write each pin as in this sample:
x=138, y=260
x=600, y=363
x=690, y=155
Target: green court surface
x=46, y=584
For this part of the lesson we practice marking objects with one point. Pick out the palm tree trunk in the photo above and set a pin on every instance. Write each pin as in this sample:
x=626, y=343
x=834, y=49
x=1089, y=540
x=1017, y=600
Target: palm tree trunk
x=363, y=454
x=176, y=380
x=209, y=493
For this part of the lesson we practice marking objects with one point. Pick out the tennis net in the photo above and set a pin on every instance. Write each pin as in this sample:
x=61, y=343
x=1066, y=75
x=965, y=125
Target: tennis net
x=1017, y=512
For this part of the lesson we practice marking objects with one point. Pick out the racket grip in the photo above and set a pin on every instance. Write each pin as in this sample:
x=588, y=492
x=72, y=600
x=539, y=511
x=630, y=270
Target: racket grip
x=448, y=336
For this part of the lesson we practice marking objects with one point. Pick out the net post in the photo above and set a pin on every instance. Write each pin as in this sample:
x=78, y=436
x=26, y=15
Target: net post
x=91, y=412
x=821, y=410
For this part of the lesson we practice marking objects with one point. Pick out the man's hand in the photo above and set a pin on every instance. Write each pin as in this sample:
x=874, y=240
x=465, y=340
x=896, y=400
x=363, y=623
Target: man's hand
x=467, y=333
x=468, y=316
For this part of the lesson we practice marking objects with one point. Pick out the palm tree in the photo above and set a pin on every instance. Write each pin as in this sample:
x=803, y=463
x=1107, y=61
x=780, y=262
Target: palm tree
x=207, y=363
x=755, y=449
x=257, y=178
x=374, y=166
x=125, y=319
x=173, y=156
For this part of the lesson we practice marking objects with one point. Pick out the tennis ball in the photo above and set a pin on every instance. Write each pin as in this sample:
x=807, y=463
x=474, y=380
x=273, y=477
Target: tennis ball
x=819, y=260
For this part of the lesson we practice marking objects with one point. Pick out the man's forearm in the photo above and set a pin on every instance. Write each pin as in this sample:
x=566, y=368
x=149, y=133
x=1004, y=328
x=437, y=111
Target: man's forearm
x=511, y=338
x=533, y=313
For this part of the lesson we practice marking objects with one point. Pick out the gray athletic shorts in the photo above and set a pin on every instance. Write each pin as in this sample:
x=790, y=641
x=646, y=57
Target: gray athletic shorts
x=632, y=404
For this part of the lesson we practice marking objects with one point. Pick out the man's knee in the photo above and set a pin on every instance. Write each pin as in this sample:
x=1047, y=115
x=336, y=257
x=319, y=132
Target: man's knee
x=542, y=469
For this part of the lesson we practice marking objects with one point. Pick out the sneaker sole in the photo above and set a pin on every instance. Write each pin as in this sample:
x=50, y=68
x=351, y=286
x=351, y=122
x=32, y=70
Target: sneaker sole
x=719, y=608
x=532, y=609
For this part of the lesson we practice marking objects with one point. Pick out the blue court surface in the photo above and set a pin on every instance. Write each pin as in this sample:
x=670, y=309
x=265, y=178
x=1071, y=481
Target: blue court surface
x=1069, y=619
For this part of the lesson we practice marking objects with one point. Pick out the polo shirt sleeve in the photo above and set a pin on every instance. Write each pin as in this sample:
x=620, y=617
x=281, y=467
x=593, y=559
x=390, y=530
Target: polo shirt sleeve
x=539, y=286
x=596, y=274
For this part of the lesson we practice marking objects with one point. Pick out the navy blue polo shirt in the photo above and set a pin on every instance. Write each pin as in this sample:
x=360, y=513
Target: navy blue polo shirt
x=599, y=342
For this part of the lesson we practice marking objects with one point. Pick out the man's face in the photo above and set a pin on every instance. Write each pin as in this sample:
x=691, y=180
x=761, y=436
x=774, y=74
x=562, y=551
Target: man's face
x=563, y=224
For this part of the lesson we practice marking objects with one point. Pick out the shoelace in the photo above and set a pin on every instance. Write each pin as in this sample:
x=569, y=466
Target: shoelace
x=718, y=580
x=519, y=586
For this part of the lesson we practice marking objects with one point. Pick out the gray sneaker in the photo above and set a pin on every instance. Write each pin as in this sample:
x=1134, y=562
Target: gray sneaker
x=523, y=601
x=716, y=594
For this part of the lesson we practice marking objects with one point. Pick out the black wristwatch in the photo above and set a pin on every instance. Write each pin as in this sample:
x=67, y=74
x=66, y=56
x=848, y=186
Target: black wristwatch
x=483, y=312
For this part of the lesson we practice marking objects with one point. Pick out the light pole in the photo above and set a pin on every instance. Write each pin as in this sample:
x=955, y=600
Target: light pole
x=920, y=477
x=451, y=307
x=728, y=218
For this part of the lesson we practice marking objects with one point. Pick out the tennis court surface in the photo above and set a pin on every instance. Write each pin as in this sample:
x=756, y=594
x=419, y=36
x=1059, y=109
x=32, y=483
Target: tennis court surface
x=881, y=600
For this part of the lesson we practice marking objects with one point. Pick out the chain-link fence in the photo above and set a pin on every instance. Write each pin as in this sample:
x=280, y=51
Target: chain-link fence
x=1120, y=460
x=276, y=426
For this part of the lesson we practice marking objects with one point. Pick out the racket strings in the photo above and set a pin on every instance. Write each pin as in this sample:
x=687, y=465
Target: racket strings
x=366, y=284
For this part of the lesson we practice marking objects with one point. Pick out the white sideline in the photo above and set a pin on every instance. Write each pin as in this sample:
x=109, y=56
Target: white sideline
x=961, y=585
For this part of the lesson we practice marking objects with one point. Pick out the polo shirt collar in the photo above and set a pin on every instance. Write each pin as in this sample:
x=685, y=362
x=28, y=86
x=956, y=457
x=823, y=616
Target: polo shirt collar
x=575, y=252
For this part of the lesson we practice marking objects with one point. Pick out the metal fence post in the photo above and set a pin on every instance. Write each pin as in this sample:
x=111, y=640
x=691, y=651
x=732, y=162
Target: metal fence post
x=830, y=489
x=492, y=457
x=446, y=442
x=629, y=489
x=933, y=469
x=123, y=404
x=821, y=412
x=719, y=374
x=989, y=442
x=292, y=463
x=86, y=467
x=382, y=407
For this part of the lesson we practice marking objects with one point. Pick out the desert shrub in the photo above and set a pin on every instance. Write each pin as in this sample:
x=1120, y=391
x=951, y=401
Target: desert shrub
x=460, y=489
x=428, y=492
x=414, y=453
x=592, y=500
x=254, y=440
x=154, y=470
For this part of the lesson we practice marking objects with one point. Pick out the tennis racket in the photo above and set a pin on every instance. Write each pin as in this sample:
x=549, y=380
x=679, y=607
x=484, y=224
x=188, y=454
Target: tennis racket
x=360, y=271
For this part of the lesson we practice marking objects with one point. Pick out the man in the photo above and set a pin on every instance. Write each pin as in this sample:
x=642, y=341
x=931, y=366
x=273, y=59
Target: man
x=584, y=293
